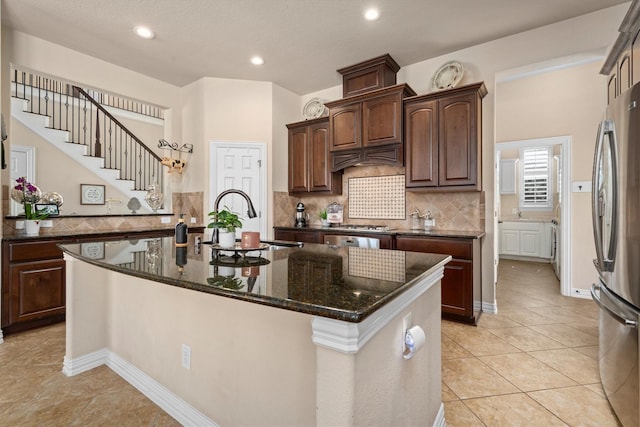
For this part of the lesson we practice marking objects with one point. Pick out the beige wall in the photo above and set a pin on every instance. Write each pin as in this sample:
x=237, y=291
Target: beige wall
x=564, y=102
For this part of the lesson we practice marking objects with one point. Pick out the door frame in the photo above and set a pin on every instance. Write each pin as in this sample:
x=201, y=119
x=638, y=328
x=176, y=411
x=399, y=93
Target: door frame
x=261, y=204
x=30, y=153
x=565, y=214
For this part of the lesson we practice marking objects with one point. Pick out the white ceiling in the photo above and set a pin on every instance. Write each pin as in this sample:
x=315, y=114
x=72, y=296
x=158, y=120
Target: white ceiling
x=302, y=41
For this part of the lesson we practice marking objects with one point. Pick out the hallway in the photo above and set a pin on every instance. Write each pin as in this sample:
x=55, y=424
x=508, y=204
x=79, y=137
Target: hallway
x=534, y=363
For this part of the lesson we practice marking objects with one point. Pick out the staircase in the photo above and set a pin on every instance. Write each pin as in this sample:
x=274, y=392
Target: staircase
x=74, y=122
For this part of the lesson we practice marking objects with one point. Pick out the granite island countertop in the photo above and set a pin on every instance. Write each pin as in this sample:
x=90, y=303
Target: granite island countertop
x=342, y=283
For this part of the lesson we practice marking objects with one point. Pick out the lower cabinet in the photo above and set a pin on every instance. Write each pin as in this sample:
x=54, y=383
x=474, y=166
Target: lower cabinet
x=525, y=238
x=462, y=281
x=33, y=278
x=33, y=284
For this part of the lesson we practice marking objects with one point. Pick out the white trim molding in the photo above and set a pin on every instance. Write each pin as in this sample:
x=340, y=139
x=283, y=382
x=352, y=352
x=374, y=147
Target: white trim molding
x=173, y=405
x=440, y=421
x=349, y=337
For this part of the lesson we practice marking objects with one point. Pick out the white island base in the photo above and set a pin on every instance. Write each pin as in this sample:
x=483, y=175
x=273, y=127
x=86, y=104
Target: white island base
x=252, y=364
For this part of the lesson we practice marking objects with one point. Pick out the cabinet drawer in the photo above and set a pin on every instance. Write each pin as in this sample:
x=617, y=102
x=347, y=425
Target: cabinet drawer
x=457, y=248
x=29, y=251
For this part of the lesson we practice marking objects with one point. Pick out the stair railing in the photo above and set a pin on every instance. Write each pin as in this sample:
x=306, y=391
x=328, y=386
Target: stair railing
x=72, y=109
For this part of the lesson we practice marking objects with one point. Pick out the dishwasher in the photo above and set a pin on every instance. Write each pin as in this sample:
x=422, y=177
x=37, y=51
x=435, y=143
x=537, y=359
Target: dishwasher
x=354, y=241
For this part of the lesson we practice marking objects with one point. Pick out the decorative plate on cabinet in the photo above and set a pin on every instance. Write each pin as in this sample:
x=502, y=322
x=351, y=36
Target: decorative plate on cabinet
x=314, y=109
x=447, y=76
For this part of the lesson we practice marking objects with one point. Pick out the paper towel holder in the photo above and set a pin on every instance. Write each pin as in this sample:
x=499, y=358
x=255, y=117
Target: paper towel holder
x=414, y=340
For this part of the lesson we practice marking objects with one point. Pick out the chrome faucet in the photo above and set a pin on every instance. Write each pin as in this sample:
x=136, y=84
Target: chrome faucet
x=251, y=212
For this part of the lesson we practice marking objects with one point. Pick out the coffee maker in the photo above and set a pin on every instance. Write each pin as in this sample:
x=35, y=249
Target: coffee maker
x=301, y=216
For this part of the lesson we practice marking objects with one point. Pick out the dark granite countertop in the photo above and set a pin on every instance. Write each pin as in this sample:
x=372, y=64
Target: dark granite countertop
x=340, y=283
x=98, y=234
x=464, y=234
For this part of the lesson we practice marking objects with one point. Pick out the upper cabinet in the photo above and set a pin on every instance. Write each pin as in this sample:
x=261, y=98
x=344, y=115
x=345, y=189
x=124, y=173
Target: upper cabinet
x=367, y=127
x=443, y=134
x=309, y=159
x=622, y=65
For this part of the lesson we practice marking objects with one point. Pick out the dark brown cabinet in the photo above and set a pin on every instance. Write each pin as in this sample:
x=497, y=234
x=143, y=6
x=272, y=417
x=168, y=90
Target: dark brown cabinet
x=443, y=133
x=462, y=281
x=309, y=159
x=367, y=127
x=33, y=278
x=33, y=285
x=297, y=235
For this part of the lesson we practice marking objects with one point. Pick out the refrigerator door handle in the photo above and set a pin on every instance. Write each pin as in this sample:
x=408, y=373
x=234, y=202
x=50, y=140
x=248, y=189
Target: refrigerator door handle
x=631, y=323
x=605, y=262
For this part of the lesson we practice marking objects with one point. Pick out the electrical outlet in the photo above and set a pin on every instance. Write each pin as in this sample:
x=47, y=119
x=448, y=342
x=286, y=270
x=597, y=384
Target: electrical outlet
x=406, y=324
x=193, y=220
x=186, y=356
x=165, y=220
x=46, y=223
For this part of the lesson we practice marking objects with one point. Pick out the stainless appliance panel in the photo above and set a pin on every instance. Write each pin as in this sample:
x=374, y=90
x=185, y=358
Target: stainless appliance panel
x=616, y=197
x=356, y=241
x=618, y=354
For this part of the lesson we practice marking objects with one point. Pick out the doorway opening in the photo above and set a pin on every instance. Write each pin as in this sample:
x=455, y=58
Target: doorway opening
x=554, y=221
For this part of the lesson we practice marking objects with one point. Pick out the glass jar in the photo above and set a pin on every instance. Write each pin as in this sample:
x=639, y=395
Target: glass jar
x=415, y=221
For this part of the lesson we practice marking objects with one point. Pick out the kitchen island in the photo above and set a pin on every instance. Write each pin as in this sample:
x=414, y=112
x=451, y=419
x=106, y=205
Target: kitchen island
x=300, y=336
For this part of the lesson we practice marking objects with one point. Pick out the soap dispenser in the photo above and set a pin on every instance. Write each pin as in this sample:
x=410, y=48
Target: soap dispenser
x=181, y=232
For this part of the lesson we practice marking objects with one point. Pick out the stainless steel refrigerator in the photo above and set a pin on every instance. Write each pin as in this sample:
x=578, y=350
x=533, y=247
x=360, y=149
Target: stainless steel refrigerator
x=616, y=229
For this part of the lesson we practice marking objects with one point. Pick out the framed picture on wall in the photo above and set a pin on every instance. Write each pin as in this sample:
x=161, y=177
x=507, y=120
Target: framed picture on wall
x=92, y=194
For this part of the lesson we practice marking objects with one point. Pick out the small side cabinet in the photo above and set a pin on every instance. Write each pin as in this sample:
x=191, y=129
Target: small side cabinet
x=462, y=281
x=33, y=284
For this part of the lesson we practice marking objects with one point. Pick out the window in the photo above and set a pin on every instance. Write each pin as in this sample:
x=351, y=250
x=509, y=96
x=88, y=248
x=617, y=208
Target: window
x=535, y=179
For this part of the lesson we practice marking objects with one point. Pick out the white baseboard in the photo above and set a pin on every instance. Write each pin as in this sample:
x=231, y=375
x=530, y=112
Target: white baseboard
x=488, y=307
x=173, y=405
x=440, y=421
x=580, y=293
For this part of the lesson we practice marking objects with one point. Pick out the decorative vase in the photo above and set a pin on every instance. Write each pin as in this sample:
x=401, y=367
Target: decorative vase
x=154, y=197
x=31, y=227
x=226, y=239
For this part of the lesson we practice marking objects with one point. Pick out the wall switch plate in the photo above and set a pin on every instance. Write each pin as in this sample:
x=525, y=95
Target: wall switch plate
x=46, y=223
x=193, y=220
x=581, y=187
x=165, y=220
x=186, y=357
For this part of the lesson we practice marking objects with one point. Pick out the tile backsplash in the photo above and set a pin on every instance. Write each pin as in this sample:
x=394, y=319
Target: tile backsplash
x=377, y=197
x=464, y=211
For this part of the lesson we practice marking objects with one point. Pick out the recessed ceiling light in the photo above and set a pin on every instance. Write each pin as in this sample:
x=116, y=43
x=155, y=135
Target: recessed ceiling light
x=257, y=60
x=144, y=32
x=371, y=14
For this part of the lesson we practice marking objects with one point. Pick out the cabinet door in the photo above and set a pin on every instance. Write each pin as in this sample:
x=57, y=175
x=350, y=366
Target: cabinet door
x=510, y=242
x=320, y=172
x=37, y=290
x=458, y=141
x=298, y=155
x=421, y=144
x=624, y=72
x=530, y=243
x=457, y=287
x=508, y=183
x=382, y=120
x=635, y=59
x=345, y=124
x=612, y=86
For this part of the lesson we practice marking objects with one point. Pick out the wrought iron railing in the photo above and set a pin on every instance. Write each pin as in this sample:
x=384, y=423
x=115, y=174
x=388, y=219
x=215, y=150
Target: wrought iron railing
x=72, y=109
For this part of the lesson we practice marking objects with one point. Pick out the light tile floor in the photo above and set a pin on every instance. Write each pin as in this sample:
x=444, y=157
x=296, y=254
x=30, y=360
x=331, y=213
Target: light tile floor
x=535, y=363
x=34, y=392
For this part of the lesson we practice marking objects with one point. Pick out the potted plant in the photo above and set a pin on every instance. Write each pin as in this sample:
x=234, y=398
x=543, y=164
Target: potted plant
x=28, y=194
x=226, y=222
x=323, y=218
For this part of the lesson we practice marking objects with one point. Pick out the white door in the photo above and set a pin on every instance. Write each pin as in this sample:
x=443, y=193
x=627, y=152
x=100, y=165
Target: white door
x=240, y=166
x=22, y=163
